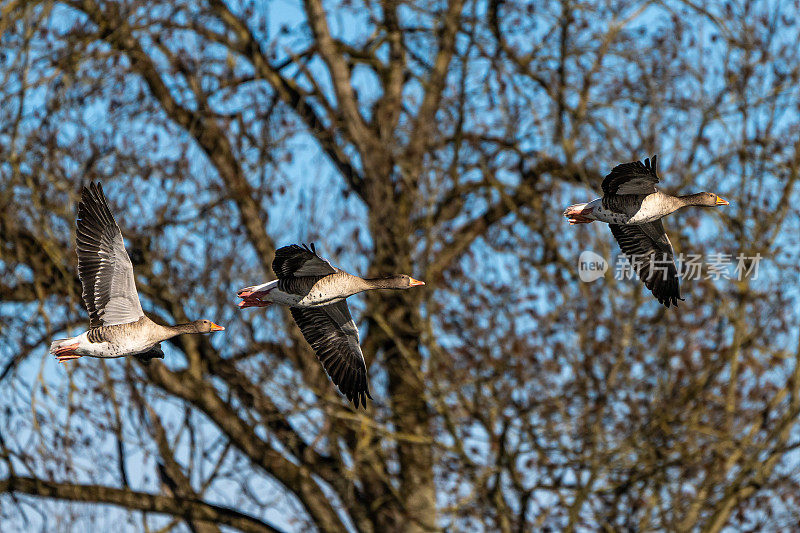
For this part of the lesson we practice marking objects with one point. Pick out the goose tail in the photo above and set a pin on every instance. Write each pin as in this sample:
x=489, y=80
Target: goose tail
x=58, y=343
x=253, y=296
x=66, y=349
x=579, y=214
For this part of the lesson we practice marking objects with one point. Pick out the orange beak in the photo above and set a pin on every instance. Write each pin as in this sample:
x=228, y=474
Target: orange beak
x=722, y=201
x=215, y=327
x=415, y=282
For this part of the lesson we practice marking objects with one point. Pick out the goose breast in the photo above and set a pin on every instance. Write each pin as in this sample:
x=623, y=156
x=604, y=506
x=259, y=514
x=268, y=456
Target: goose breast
x=653, y=207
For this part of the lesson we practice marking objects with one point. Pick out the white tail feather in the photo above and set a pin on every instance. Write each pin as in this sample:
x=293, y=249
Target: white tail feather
x=259, y=288
x=56, y=344
x=575, y=209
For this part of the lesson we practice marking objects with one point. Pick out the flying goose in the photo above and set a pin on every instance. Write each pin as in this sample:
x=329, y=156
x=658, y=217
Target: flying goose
x=117, y=325
x=633, y=208
x=315, y=292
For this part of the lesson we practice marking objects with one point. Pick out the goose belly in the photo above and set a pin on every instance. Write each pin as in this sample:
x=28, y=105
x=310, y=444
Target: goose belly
x=125, y=343
x=606, y=215
x=326, y=291
x=302, y=293
x=651, y=209
x=314, y=298
x=317, y=299
x=280, y=297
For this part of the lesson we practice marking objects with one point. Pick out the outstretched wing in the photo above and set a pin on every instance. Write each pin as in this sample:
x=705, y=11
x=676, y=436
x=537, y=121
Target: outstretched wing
x=105, y=270
x=650, y=253
x=332, y=333
x=632, y=178
x=300, y=261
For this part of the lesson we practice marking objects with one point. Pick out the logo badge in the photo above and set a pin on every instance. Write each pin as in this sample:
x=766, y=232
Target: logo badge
x=591, y=266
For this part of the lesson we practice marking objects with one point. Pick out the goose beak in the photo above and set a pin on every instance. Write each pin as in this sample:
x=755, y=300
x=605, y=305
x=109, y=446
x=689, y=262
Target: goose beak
x=215, y=327
x=415, y=282
x=722, y=201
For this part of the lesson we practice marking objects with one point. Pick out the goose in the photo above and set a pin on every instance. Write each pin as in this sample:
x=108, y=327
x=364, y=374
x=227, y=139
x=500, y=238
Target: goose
x=117, y=325
x=633, y=209
x=316, y=293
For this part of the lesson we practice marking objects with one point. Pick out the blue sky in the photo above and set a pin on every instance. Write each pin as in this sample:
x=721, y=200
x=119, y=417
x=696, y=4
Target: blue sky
x=307, y=204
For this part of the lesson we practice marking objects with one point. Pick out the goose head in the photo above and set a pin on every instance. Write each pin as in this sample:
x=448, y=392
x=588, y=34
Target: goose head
x=206, y=326
x=406, y=282
x=398, y=281
x=705, y=199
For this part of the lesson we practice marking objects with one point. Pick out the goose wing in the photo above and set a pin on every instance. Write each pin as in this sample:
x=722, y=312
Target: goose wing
x=632, y=178
x=154, y=353
x=332, y=333
x=104, y=268
x=300, y=261
x=650, y=252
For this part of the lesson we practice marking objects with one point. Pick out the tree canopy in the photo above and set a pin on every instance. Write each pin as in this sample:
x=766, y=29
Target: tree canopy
x=437, y=139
